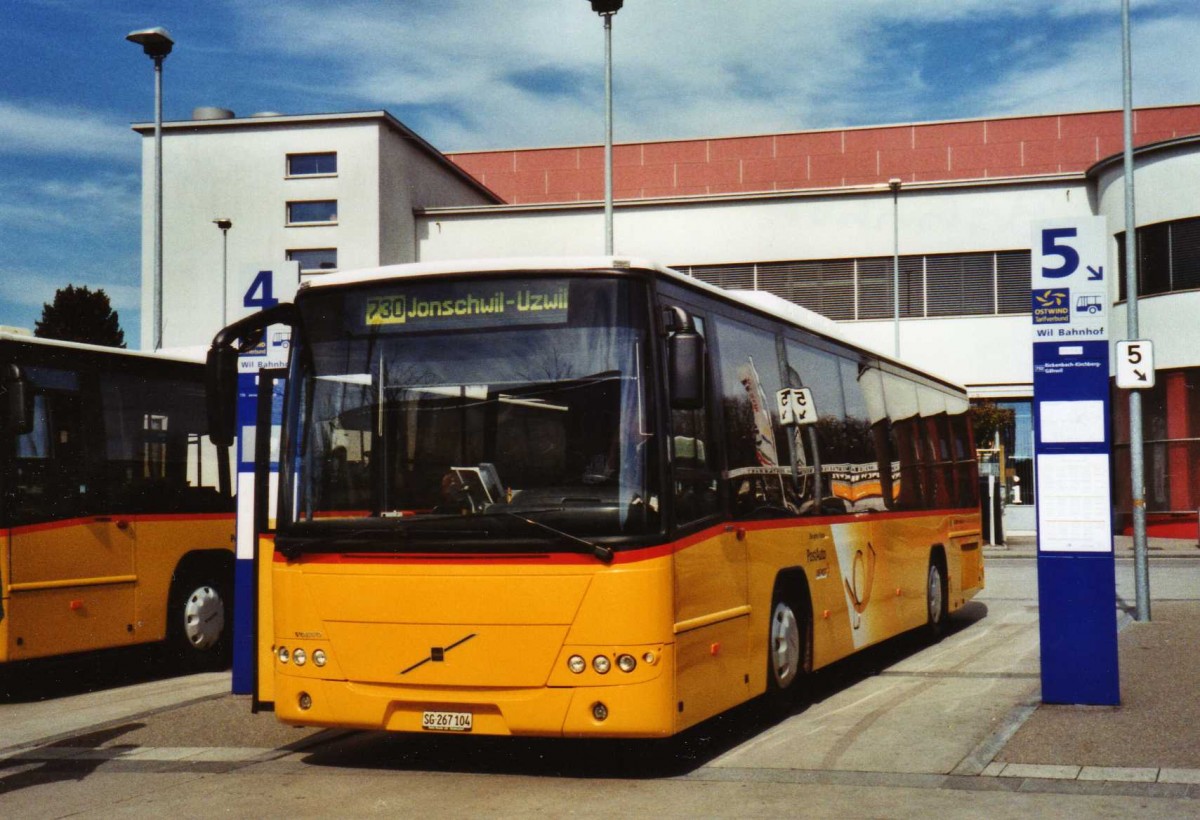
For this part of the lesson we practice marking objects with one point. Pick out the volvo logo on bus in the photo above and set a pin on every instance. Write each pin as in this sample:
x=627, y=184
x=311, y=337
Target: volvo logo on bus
x=437, y=654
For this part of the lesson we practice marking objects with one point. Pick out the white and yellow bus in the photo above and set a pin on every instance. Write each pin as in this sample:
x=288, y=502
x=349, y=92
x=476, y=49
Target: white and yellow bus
x=116, y=512
x=589, y=498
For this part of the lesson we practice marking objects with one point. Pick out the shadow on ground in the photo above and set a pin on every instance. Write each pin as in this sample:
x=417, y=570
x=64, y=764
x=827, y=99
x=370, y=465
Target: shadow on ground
x=46, y=679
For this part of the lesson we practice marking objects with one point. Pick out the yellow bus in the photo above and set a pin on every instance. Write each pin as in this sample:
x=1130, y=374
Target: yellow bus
x=116, y=512
x=589, y=497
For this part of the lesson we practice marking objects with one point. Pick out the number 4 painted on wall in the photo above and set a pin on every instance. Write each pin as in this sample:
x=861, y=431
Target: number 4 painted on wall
x=261, y=293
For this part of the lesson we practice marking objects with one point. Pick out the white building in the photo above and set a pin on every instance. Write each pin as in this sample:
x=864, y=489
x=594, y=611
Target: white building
x=808, y=215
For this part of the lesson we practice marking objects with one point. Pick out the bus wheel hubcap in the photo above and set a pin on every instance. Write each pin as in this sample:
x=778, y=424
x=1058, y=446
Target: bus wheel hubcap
x=203, y=617
x=935, y=594
x=785, y=645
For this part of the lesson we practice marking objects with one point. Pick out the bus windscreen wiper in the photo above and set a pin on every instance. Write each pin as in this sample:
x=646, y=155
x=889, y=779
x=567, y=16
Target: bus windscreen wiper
x=602, y=552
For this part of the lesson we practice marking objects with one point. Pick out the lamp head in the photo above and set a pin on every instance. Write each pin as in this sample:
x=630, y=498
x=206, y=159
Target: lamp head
x=606, y=6
x=223, y=222
x=156, y=42
x=894, y=183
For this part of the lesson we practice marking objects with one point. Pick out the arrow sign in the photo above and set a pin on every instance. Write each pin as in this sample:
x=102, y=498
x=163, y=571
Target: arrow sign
x=1095, y=274
x=1135, y=364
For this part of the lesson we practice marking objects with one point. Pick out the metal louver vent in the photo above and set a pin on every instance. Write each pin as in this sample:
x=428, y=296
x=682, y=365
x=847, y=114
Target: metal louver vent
x=960, y=284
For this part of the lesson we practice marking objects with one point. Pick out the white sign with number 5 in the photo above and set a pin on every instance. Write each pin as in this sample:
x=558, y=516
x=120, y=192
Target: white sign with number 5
x=1135, y=364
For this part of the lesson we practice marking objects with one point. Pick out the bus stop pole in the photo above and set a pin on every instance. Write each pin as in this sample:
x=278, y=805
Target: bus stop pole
x=1141, y=569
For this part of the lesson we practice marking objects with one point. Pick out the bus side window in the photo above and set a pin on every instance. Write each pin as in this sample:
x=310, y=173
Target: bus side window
x=157, y=458
x=758, y=447
x=819, y=450
x=695, y=481
x=52, y=478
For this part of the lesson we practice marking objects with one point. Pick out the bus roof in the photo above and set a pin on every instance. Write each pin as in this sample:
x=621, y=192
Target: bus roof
x=170, y=356
x=762, y=301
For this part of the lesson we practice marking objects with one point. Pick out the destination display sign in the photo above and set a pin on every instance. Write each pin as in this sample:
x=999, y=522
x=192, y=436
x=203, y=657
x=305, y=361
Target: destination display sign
x=427, y=306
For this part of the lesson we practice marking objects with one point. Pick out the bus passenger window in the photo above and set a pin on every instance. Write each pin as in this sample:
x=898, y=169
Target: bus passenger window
x=768, y=470
x=51, y=477
x=819, y=449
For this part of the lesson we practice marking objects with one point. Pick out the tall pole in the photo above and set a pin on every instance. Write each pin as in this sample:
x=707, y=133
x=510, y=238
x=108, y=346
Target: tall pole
x=894, y=184
x=608, y=137
x=158, y=204
x=157, y=44
x=1141, y=569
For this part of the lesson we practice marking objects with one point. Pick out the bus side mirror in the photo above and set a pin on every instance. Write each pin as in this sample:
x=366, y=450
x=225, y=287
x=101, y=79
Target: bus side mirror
x=222, y=367
x=221, y=394
x=18, y=402
x=685, y=363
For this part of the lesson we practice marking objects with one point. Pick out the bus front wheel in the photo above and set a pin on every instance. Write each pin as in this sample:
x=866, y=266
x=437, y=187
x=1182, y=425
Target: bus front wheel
x=200, y=624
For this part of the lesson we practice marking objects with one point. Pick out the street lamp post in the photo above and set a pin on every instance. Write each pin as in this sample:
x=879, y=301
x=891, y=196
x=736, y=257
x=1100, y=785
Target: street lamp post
x=224, y=223
x=894, y=183
x=607, y=9
x=157, y=44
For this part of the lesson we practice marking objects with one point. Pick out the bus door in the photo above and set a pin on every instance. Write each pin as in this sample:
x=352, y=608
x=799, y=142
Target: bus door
x=73, y=573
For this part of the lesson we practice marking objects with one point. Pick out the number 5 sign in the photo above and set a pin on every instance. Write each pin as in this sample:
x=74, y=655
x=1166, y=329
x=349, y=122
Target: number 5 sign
x=1135, y=364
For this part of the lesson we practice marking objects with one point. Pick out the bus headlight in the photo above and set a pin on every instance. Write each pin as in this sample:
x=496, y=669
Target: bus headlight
x=283, y=654
x=319, y=657
x=576, y=664
x=300, y=657
x=626, y=663
x=601, y=664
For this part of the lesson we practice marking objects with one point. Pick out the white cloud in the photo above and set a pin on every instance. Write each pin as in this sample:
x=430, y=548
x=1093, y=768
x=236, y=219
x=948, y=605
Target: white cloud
x=45, y=131
x=1088, y=74
x=471, y=74
x=73, y=206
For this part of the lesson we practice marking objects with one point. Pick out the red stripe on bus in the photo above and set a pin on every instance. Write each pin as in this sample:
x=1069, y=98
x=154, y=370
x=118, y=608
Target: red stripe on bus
x=630, y=556
x=105, y=518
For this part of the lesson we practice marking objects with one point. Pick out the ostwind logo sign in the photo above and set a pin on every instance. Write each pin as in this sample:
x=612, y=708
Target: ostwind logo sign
x=1052, y=306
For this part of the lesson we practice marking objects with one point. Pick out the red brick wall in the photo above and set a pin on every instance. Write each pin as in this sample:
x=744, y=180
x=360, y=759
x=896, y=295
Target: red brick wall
x=977, y=149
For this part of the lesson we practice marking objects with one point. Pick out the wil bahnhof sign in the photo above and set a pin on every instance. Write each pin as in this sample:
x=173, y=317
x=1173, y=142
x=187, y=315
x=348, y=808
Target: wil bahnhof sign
x=1076, y=570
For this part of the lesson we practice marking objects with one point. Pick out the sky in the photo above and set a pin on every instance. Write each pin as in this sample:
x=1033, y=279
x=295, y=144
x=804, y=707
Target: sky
x=480, y=75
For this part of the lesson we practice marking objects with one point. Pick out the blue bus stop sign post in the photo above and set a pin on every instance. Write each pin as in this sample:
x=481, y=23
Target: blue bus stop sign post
x=263, y=291
x=249, y=365
x=1076, y=568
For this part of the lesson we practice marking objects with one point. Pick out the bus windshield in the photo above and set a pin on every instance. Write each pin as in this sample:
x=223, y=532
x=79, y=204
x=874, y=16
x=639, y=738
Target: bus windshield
x=482, y=414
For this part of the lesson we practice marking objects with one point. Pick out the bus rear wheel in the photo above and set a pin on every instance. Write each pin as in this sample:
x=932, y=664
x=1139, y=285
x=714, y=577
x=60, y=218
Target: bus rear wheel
x=787, y=652
x=198, y=632
x=936, y=609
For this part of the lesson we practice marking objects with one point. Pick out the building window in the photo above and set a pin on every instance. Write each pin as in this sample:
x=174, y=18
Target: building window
x=312, y=165
x=1171, y=442
x=965, y=284
x=312, y=212
x=1168, y=257
x=314, y=259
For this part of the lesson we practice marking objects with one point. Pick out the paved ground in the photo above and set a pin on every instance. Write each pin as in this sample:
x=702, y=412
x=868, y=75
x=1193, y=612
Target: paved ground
x=917, y=722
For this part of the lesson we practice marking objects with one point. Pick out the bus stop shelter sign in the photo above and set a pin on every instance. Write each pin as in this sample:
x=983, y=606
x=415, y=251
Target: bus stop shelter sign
x=1076, y=571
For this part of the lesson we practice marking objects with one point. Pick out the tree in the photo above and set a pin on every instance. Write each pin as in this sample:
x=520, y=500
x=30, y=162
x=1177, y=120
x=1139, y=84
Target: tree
x=81, y=315
x=989, y=420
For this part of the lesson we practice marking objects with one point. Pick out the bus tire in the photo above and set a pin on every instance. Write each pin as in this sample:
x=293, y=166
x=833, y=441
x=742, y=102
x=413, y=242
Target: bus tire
x=788, y=642
x=200, y=612
x=937, y=610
